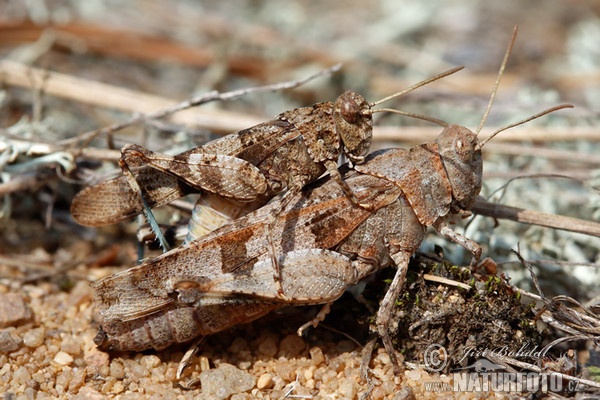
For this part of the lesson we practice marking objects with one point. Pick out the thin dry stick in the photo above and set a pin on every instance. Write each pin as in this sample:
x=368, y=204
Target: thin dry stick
x=105, y=95
x=543, y=152
x=446, y=281
x=483, y=207
x=546, y=315
x=508, y=360
x=114, y=97
x=578, y=174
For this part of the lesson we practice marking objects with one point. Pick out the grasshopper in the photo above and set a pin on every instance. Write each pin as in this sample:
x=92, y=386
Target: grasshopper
x=246, y=168
x=324, y=242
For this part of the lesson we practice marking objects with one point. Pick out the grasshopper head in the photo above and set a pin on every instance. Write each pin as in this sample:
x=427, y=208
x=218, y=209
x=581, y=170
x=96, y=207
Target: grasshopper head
x=353, y=122
x=461, y=156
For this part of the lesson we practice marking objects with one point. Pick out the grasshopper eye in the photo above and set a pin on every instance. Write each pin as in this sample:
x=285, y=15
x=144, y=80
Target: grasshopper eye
x=351, y=111
x=352, y=115
x=464, y=150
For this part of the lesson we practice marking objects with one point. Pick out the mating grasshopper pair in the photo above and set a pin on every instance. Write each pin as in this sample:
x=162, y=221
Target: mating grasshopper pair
x=242, y=171
x=324, y=238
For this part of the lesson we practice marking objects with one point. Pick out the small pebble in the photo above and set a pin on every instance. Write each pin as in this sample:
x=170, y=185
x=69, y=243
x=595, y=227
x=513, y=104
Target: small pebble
x=150, y=361
x=62, y=358
x=30, y=393
x=291, y=346
x=118, y=387
x=414, y=375
x=204, y=363
x=264, y=381
x=316, y=355
x=13, y=310
x=328, y=377
x=34, y=337
x=9, y=341
x=309, y=372
x=378, y=393
x=286, y=370
x=268, y=347
x=406, y=393
x=21, y=375
x=78, y=381
x=225, y=381
x=242, y=396
x=88, y=393
x=64, y=377
x=347, y=389
x=71, y=345
x=116, y=369
x=97, y=360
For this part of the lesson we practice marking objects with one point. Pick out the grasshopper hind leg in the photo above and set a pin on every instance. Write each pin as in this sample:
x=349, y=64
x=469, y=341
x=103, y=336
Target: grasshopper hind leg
x=146, y=209
x=283, y=203
x=320, y=317
x=334, y=173
x=384, y=314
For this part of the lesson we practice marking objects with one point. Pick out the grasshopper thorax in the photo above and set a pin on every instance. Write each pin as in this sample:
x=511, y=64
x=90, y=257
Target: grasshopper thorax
x=462, y=160
x=354, y=124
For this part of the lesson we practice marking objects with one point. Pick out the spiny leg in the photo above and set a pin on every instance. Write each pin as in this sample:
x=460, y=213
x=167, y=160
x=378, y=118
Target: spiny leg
x=283, y=203
x=384, y=314
x=334, y=173
x=315, y=321
x=473, y=247
x=146, y=209
x=185, y=360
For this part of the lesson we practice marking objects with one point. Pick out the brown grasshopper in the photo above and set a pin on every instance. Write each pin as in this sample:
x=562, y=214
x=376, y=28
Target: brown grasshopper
x=246, y=168
x=324, y=242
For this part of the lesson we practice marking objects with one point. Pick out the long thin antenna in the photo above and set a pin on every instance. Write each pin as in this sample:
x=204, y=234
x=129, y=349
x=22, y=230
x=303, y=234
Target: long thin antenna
x=418, y=85
x=500, y=72
x=413, y=115
x=548, y=111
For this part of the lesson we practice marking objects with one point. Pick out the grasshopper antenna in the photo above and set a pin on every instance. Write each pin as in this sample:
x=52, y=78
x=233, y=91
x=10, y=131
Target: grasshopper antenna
x=497, y=83
x=410, y=89
x=413, y=115
x=493, y=97
x=542, y=113
x=416, y=86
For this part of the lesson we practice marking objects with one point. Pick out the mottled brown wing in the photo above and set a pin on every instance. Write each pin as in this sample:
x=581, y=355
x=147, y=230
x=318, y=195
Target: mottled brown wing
x=227, y=176
x=253, y=144
x=316, y=219
x=113, y=201
x=304, y=279
x=420, y=174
